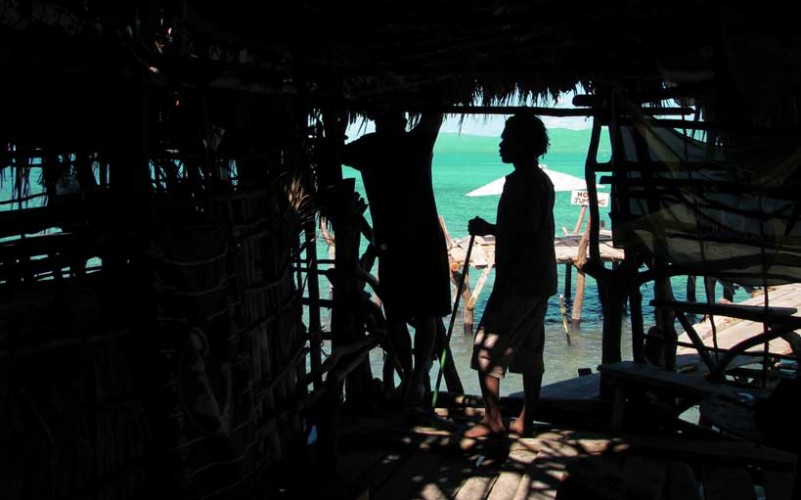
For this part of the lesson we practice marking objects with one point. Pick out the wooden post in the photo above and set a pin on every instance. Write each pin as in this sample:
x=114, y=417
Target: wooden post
x=568, y=280
x=471, y=302
x=467, y=309
x=315, y=325
x=346, y=320
x=578, y=301
x=612, y=284
x=635, y=301
x=346, y=315
x=449, y=371
x=467, y=312
x=665, y=321
x=691, y=297
x=581, y=260
x=580, y=219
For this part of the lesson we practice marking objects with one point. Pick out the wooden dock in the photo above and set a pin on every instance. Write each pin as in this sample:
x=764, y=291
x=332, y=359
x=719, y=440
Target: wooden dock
x=729, y=331
x=566, y=249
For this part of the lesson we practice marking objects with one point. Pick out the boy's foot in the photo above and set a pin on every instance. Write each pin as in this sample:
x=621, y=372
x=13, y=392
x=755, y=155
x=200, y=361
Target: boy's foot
x=484, y=429
x=416, y=396
x=419, y=415
x=518, y=428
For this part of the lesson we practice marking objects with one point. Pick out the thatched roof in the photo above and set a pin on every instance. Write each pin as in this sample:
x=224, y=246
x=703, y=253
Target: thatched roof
x=366, y=51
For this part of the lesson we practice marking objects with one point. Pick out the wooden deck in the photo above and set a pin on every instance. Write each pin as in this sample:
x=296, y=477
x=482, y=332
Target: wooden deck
x=396, y=457
x=730, y=331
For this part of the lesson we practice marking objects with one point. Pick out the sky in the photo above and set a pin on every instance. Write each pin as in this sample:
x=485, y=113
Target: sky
x=491, y=125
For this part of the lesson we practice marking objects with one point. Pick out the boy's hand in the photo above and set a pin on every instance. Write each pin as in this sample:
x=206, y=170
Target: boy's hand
x=480, y=227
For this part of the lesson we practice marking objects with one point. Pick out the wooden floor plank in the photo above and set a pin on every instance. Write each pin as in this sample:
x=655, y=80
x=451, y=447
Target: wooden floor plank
x=479, y=484
x=353, y=466
x=380, y=473
x=476, y=487
x=512, y=473
x=428, y=462
x=445, y=481
x=543, y=476
x=408, y=480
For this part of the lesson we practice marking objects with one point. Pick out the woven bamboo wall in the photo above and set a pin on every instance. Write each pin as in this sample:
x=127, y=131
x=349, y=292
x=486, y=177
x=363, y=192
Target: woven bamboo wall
x=233, y=343
x=72, y=421
x=170, y=358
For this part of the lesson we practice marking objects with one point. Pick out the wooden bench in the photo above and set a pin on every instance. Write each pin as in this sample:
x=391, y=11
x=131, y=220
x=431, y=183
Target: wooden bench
x=730, y=408
x=627, y=378
x=747, y=312
x=682, y=468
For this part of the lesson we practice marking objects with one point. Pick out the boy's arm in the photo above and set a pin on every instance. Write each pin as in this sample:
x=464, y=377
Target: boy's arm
x=429, y=125
x=351, y=154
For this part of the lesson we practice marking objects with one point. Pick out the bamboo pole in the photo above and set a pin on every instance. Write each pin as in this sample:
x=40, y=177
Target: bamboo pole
x=442, y=359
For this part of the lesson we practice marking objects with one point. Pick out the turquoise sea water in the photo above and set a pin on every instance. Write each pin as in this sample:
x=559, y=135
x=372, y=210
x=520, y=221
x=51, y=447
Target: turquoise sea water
x=464, y=162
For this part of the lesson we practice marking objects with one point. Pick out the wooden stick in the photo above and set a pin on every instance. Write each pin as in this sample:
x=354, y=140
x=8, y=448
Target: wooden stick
x=453, y=319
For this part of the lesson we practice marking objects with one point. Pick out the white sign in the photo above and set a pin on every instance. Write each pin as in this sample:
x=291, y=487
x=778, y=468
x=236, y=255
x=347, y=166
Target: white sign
x=583, y=198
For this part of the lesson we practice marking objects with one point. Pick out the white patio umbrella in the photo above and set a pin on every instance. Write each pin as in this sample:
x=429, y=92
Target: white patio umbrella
x=561, y=182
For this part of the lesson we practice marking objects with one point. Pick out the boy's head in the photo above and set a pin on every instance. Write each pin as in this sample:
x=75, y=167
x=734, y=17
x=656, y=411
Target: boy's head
x=389, y=120
x=524, y=138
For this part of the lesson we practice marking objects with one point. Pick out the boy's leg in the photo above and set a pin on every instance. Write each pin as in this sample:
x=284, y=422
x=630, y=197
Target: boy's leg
x=524, y=425
x=492, y=423
x=401, y=347
x=420, y=382
x=449, y=371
